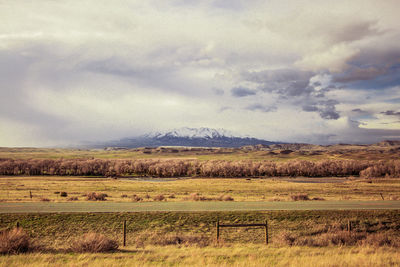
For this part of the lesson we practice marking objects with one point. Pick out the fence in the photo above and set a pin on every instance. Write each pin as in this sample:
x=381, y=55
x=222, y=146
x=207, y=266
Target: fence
x=218, y=226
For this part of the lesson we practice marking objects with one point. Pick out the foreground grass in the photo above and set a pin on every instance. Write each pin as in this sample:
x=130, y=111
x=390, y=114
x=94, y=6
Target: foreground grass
x=16, y=189
x=237, y=255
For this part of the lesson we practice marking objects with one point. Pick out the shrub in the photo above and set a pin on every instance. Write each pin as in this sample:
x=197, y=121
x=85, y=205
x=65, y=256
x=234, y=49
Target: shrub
x=299, y=197
x=159, y=198
x=72, y=198
x=276, y=199
x=14, y=241
x=378, y=240
x=185, y=240
x=285, y=238
x=323, y=239
x=196, y=197
x=93, y=242
x=44, y=199
x=63, y=194
x=171, y=196
x=225, y=198
x=93, y=196
x=136, y=198
x=337, y=238
x=124, y=195
x=172, y=239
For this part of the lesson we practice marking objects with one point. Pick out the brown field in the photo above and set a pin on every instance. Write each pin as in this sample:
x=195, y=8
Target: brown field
x=283, y=152
x=42, y=188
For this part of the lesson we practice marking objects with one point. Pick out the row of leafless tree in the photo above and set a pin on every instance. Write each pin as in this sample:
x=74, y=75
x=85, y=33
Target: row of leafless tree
x=210, y=168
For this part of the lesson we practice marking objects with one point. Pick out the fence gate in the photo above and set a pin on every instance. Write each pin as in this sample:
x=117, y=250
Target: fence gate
x=218, y=225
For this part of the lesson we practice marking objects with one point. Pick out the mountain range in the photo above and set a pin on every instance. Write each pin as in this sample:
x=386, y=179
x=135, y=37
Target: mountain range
x=191, y=137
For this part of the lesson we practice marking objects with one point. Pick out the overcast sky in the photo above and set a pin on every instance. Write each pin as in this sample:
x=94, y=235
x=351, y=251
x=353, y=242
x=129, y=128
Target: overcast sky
x=295, y=71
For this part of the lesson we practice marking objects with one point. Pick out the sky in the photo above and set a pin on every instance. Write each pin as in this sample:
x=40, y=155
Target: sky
x=319, y=72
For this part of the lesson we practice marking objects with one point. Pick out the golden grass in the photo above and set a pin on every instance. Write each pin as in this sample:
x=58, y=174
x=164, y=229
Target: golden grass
x=238, y=255
x=233, y=154
x=336, y=152
x=17, y=189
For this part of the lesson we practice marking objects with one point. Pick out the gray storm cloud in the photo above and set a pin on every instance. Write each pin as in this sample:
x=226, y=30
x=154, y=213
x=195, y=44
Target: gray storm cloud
x=391, y=113
x=241, y=92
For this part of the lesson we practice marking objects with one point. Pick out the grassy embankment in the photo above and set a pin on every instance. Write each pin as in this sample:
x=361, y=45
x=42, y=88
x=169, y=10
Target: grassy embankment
x=55, y=230
x=17, y=189
x=239, y=247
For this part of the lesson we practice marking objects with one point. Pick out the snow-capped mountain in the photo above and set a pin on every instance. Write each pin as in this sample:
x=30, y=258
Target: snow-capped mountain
x=187, y=132
x=191, y=137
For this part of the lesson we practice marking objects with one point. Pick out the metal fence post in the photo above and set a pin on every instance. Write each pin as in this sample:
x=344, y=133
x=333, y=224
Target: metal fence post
x=124, y=226
x=217, y=230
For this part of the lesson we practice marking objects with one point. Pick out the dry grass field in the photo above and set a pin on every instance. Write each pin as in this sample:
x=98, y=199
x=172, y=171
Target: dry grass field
x=273, y=153
x=50, y=188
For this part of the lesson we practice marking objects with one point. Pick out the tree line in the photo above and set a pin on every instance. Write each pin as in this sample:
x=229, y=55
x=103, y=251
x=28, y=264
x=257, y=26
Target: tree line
x=208, y=168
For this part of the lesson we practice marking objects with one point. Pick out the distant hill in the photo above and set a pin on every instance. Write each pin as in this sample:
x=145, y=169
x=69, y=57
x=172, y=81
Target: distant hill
x=389, y=143
x=191, y=137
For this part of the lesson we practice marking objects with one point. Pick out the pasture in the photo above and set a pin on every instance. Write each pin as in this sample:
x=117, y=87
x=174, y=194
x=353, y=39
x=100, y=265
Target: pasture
x=315, y=153
x=21, y=188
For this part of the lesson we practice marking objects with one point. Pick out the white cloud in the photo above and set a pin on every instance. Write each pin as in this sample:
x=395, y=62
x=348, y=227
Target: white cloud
x=334, y=59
